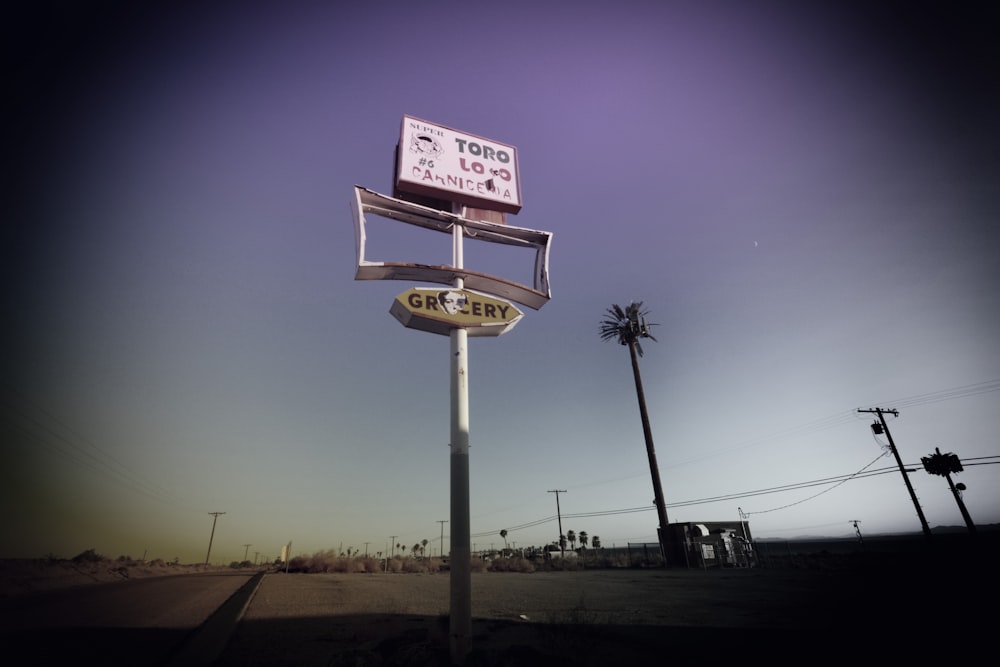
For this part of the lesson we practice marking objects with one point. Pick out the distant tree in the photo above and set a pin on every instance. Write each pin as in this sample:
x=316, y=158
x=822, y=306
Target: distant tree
x=415, y=549
x=423, y=546
x=503, y=534
x=583, y=539
x=571, y=536
x=596, y=542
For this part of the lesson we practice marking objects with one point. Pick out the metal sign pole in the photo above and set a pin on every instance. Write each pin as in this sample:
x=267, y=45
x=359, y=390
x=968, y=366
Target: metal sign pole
x=439, y=162
x=460, y=561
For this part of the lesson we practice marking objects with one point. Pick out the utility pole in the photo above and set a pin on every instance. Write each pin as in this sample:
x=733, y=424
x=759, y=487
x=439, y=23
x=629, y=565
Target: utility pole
x=246, y=551
x=943, y=465
x=215, y=517
x=441, y=543
x=881, y=427
x=857, y=529
x=366, y=549
x=562, y=549
x=393, y=538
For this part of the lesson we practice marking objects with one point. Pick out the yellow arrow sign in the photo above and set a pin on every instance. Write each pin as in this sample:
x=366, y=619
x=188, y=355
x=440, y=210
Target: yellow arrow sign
x=441, y=310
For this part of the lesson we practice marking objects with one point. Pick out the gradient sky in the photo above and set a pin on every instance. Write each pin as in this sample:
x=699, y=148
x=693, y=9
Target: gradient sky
x=806, y=200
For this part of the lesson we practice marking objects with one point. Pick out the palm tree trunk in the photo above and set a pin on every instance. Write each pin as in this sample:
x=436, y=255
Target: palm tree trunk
x=654, y=470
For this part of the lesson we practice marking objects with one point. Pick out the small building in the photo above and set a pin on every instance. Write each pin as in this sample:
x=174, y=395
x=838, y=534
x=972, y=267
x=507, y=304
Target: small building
x=711, y=544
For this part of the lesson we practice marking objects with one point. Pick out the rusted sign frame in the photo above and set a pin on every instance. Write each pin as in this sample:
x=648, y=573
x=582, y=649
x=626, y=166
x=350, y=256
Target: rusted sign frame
x=369, y=202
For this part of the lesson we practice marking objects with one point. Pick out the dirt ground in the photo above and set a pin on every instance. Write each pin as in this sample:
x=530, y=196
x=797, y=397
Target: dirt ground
x=891, y=608
x=597, y=617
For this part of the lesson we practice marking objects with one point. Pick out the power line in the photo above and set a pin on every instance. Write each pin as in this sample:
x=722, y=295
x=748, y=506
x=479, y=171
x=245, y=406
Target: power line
x=90, y=456
x=843, y=481
x=826, y=423
x=963, y=391
x=834, y=482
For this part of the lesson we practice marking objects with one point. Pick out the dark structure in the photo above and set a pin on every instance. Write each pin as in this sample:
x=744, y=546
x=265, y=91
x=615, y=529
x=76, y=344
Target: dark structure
x=712, y=544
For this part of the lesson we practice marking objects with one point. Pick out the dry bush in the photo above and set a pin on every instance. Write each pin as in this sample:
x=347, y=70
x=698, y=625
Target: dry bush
x=88, y=556
x=328, y=561
x=605, y=561
x=561, y=565
x=513, y=564
x=368, y=565
x=298, y=564
x=319, y=562
x=422, y=565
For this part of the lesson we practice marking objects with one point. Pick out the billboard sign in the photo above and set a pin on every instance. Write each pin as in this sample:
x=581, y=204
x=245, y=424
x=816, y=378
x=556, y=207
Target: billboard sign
x=442, y=163
x=440, y=310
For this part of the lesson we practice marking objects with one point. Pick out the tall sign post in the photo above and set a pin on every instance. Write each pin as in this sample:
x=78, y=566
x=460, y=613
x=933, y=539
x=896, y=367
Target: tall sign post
x=460, y=565
x=478, y=179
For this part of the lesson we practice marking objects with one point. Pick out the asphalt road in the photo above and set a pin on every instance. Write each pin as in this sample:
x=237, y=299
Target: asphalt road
x=140, y=622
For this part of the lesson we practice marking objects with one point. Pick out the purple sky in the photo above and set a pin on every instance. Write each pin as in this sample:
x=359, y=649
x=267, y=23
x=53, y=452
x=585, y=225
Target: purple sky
x=806, y=201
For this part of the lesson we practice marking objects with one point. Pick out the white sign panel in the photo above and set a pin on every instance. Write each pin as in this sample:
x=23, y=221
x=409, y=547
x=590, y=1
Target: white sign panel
x=437, y=161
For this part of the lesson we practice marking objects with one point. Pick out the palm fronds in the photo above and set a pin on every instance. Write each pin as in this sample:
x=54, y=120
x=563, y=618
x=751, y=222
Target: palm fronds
x=627, y=325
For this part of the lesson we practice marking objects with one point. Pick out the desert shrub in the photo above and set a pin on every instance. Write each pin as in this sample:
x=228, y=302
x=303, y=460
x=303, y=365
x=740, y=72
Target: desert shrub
x=88, y=556
x=605, y=561
x=412, y=565
x=298, y=564
x=331, y=563
x=157, y=562
x=368, y=564
x=319, y=563
x=328, y=561
x=513, y=564
x=561, y=565
x=478, y=565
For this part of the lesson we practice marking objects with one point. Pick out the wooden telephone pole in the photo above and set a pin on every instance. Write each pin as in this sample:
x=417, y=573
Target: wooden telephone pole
x=881, y=427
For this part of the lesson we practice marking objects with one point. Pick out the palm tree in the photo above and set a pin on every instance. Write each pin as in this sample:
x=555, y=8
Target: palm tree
x=423, y=546
x=596, y=542
x=627, y=326
x=583, y=539
x=571, y=536
x=503, y=534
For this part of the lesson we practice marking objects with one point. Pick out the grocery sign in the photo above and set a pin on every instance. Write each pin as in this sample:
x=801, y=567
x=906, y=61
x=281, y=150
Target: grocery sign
x=437, y=161
x=441, y=310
